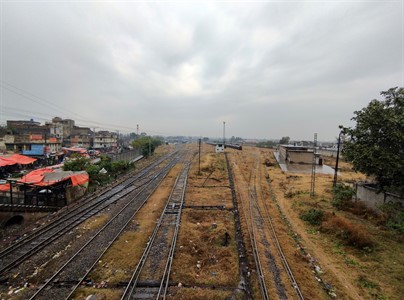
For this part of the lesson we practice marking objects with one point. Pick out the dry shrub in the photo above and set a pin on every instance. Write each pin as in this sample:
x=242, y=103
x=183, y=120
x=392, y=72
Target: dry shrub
x=352, y=234
x=359, y=208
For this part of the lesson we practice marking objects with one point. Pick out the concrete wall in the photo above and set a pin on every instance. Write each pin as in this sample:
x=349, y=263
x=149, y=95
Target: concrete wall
x=373, y=199
x=329, y=153
x=299, y=157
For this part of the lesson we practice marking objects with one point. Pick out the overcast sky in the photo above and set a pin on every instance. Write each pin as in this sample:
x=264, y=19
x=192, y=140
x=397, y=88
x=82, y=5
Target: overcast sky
x=268, y=69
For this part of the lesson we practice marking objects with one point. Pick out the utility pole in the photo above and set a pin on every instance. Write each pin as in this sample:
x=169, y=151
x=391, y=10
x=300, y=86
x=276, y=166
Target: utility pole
x=336, y=162
x=137, y=129
x=313, y=167
x=224, y=134
x=199, y=143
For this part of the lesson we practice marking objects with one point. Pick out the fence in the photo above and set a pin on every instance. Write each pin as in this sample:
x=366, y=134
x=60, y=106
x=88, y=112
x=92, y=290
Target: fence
x=373, y=198
x=126, y=156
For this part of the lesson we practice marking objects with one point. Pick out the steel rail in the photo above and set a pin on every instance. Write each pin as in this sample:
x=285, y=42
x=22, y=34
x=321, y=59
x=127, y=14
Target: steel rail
x=68, y=214
x=130, y=289
x=110, y=245
x=167, y=271
x=46, y=236
x=87, y=200
x=284, y=260
x=252, y=236
x=134, y=198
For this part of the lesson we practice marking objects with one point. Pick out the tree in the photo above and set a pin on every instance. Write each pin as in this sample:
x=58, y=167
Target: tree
x=147, y=143
x=376, y=145
x=284, y=140
x=76, y=163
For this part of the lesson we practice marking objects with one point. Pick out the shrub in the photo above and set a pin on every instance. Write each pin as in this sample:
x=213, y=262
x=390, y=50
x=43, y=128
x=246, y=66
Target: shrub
x=394, y=216
x=352, y=234
x=342, y=196
x=313, y=216
x=76, y=162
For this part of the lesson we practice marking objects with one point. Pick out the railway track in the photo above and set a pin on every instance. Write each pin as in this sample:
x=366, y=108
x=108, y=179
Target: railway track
x=269, y=224
x=23, y=249
x=248, y=210
x=154, y=266
x=62, y=283
x=263, y=237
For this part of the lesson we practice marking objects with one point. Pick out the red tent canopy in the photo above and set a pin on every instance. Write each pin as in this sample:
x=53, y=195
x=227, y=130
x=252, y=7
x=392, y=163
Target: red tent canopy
x=16, y=159
x=6, y=161
x=4, y=187
x=46, y=177
x=22, y=159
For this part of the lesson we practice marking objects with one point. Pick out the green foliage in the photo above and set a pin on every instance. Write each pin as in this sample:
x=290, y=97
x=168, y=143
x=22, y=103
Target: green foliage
x=284, y=140
x=147, y=144
x=313, y=216
x=76, y=162
x=80, y=163
x=266, y=144
x=395, y=216
x=375, y=145
x=342, y=196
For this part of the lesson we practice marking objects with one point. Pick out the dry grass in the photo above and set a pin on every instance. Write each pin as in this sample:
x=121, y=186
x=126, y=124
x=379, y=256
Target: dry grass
x=199, y=294
x=101, y=294
x=358, y=226
x=120, y=260
x=211, y=186
x=353, y=234
x=201, y=257
x=93, y=223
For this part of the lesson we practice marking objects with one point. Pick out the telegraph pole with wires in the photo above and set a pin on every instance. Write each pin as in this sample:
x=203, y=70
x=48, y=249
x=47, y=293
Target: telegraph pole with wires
x=224, y=134
x=313, y=167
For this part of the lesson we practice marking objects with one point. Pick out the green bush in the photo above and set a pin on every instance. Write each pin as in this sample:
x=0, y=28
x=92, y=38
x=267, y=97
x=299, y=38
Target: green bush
x=342, y=196
x=76, y=162
x=395, y=216
x=313, y=216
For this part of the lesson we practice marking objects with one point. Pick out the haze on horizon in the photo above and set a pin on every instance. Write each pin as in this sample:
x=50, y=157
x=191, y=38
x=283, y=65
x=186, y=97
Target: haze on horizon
x=269, y=69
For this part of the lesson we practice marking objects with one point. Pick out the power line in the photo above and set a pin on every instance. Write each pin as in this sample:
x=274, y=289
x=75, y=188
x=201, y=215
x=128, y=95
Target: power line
x=82, y=120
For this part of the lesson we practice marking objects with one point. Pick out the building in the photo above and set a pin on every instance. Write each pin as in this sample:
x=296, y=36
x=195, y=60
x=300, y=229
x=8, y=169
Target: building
x=298, y=155
x=105, y=140
x=30, y=138
x=67, y=125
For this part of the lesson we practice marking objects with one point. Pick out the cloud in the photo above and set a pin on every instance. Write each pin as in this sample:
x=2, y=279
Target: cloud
x=267, y=69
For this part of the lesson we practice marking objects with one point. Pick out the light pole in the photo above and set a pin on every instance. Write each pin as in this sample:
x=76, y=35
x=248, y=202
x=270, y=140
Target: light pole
x=336, y=162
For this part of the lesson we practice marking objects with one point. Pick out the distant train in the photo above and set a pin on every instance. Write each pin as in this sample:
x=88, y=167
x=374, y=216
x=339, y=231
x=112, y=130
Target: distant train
x=234, y=146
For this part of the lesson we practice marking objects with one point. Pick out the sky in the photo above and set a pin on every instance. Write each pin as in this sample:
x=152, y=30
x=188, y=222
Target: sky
x=266, y=68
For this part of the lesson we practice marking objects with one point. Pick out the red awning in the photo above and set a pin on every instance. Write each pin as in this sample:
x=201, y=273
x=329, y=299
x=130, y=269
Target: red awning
x=46, y=177
x=35, y=177
x=6, y=161
x=5, y=187
x=16, y=159
x=22, y=159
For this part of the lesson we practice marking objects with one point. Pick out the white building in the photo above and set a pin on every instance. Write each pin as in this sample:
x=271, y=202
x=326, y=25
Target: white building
x=105, y=140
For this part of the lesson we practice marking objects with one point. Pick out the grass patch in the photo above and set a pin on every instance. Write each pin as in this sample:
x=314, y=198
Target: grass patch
x=202, y=256
x=350, y=233
x=313, y=216
x=201, y=294
x=84, y=292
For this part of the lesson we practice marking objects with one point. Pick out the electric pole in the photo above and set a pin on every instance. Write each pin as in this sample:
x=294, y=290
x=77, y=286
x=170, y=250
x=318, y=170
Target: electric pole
x=224, y=134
